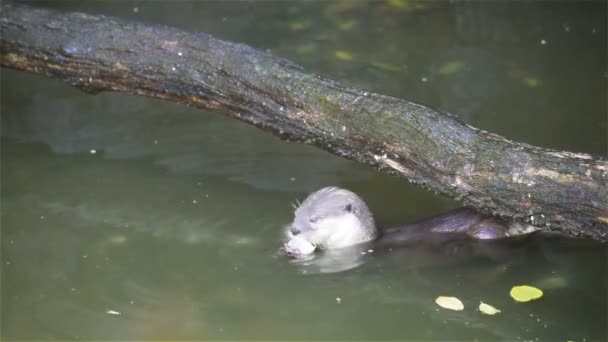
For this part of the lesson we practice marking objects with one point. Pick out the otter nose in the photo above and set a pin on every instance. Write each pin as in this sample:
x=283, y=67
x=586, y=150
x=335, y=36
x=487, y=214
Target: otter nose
x=295, y=230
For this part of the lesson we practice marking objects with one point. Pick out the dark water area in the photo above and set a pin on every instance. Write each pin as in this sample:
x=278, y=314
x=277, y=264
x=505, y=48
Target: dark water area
x=128, y=218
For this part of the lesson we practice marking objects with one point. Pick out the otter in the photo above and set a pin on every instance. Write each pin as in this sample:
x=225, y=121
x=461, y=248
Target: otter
x=334, y=219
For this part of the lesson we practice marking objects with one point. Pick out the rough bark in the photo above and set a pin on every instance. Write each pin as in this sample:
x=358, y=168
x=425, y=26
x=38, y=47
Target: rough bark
x=550, y=189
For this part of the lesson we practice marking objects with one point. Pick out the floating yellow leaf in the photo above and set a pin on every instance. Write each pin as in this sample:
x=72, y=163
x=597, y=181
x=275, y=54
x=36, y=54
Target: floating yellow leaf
x=531, y=82
x=343, y=55
x=386, y=66
x=525, y=293
x=451, y=303
x=347, y=25
x=488, y=309
x=450, y=68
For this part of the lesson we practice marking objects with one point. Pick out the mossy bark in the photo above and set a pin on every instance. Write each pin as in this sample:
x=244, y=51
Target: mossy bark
x=550, y=189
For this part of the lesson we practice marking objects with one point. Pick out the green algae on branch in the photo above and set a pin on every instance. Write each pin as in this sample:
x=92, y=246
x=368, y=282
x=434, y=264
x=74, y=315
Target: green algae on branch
x=552, y=190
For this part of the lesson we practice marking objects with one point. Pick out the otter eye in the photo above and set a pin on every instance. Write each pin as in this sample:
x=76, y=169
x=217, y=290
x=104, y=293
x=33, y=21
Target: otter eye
x=348, y=207
x=314, y=219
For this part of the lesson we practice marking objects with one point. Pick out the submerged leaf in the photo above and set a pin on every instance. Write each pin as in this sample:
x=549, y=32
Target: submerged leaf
x=450, y=68
x=343, y=6
x=297, y=26
x=400, y=5
x=531, y=82
x=343, y=55
x=488, y=309
x=347, y=25
x=386, y=66
x=553, y=282
x=117, y=239
x=451, y=303
x=525, y=293
x=306, y=48
x=407, y=5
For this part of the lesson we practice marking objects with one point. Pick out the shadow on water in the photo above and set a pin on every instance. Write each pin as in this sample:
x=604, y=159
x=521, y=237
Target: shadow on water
x=128, y=218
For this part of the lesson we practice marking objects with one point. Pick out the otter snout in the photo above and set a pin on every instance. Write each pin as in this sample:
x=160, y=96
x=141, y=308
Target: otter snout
x=294, y=230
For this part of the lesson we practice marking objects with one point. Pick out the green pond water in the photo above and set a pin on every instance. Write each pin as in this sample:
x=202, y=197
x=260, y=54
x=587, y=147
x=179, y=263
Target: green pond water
x=127, y=218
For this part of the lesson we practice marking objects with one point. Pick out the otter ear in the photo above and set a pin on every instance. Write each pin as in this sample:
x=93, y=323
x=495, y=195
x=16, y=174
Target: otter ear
x=348, y=207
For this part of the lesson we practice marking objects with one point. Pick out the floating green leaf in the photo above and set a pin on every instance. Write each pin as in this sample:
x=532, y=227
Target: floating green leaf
x=525, y=293
x=451, y=303
x=450, y=68
x=343, y=55
x=488, y=309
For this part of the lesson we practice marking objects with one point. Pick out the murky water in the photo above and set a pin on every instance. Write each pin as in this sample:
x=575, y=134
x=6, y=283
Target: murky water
x=130, y=218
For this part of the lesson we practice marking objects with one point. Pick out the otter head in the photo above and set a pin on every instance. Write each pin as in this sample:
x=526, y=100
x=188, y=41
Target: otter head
x=332, y=218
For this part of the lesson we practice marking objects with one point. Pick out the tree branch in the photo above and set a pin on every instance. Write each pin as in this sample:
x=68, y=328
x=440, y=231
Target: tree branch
x=550, y=189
